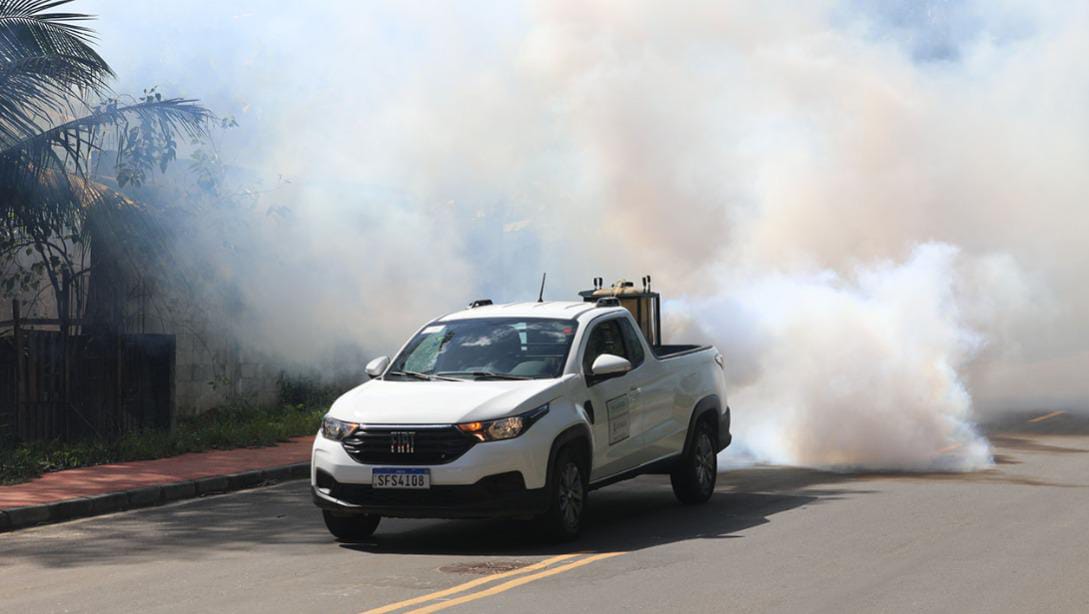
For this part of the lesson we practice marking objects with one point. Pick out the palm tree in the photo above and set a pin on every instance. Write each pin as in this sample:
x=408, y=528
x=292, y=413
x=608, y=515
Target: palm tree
x=57, y=117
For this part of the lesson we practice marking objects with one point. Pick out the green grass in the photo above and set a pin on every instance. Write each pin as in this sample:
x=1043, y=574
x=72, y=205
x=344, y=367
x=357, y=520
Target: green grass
x=219, y=429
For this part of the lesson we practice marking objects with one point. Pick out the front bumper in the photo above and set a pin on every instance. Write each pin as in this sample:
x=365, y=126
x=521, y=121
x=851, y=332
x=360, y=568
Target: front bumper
x=502, y=495
x=527, y=454
x=478, y=484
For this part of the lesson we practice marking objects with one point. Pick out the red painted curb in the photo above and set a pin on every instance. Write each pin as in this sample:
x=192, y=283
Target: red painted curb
x=123, y=477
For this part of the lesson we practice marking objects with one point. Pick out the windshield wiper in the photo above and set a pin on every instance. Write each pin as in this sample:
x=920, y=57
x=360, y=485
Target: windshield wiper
x=424, y=376
x=488, y=375
x=415, y=374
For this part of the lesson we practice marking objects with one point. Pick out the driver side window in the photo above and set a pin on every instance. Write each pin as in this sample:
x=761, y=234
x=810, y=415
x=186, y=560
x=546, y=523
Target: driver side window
x=606, y=338
x=632, y=342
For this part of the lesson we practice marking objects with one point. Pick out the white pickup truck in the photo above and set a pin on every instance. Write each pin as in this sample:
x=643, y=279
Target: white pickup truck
x=520, y=410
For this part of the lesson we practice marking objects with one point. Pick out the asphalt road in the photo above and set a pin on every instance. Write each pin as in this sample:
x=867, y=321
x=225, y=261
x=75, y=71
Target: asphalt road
x=1013, y=539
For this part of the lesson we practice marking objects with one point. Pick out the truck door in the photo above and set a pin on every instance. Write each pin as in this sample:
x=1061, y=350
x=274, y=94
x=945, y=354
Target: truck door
x=614, y=402
x=651, y=395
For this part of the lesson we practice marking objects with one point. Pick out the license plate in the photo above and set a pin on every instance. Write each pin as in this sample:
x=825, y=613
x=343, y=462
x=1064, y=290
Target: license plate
x=410, y=479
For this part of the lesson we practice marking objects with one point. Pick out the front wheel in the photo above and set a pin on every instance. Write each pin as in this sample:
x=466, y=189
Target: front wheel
x=351, y=528
x=694, y=477
x=567, y=498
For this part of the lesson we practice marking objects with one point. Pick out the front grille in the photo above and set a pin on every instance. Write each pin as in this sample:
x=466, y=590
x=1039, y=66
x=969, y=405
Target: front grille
x=387, y=445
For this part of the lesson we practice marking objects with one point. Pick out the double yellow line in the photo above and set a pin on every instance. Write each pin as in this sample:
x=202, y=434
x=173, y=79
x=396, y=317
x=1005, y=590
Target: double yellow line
x=437, y=601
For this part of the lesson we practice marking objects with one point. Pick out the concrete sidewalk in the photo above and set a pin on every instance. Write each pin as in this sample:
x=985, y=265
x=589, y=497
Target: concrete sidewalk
x=88, y=491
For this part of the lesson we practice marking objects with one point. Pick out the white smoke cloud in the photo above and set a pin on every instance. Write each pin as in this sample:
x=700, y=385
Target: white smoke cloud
x=877, y=211
x=856, y=370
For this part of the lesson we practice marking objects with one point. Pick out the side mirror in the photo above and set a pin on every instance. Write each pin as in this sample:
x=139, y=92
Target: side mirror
x=609, y=364
x=377, y=366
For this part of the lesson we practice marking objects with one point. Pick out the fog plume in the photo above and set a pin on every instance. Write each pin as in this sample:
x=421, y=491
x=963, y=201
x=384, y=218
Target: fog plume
x=876, y=211
x=861, y=369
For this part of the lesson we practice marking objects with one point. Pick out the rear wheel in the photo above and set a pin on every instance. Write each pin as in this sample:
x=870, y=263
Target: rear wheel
x=567, y=497
x=351, y=528
x=695, y=475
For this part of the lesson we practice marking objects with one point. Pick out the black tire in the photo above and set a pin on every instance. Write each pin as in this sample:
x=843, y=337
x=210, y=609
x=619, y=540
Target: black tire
x=567, y=497
x=350, y=528
x=695, y=475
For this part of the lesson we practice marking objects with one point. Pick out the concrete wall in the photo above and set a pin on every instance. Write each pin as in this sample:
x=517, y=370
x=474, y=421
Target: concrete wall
x=212, y=371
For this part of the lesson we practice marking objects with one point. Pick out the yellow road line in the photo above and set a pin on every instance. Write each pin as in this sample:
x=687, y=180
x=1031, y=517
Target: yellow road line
x=471, y=584
x=1049, y=416
x=506, y=586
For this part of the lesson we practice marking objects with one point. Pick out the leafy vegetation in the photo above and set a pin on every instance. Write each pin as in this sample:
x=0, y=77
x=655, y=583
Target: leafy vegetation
x=226, y=428
x=307, y=390
x=58, y=118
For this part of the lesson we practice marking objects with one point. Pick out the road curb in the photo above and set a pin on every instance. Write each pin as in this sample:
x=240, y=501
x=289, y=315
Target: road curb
x=83, y=507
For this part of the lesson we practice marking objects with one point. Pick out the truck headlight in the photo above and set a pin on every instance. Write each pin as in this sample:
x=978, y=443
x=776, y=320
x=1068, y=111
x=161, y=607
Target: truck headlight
x=503, y=428
x=335, y=430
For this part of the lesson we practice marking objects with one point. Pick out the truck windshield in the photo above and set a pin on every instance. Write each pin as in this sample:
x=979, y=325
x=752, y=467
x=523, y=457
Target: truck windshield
x=487, y=348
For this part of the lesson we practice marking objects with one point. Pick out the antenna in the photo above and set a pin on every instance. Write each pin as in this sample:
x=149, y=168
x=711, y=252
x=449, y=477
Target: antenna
x=540, y=297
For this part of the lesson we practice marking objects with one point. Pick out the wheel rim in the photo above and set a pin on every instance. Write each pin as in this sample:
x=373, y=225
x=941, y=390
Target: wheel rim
x=705, y=463
x=571, y=495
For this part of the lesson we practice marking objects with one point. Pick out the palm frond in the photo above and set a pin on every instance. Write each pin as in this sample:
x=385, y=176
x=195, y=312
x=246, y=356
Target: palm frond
x=174, y=115
x=48, y=170
x=26, y=28
x=35, y=89
x=45, y=58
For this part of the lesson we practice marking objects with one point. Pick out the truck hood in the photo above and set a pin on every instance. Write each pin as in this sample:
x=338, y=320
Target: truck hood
x=439, y=402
